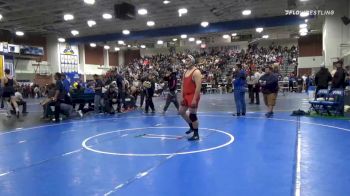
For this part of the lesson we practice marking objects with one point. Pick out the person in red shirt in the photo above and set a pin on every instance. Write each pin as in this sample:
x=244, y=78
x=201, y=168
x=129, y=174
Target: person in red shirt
x=190, y=91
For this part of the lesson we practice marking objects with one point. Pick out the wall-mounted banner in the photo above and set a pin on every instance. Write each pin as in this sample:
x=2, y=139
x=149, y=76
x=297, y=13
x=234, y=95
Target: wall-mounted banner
x=69, y=58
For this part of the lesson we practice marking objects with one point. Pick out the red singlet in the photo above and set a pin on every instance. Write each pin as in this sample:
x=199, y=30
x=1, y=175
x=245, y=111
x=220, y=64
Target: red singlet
x=189, y=89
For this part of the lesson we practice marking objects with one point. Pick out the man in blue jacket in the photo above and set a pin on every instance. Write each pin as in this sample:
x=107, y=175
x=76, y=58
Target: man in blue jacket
x=269, y=85
x=239, y=87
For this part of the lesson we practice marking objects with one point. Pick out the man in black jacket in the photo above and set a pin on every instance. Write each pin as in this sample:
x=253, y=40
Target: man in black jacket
x=170, y=77
x=269, y=85
x=322, y=78
x=338, y=81
x=149, y=92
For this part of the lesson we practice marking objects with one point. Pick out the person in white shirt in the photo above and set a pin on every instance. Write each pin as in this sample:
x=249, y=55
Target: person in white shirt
x=250, y=82
x=20, y=102
x=256, y=87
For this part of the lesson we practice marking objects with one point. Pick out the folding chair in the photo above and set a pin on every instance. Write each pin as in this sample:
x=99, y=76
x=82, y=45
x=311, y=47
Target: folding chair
x=335, y=103
x=316, y=105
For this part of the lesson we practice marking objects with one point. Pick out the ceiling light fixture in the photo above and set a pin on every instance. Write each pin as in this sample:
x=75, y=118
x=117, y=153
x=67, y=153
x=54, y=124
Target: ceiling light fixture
x=143, y=46
x=150, y=23
x=19, y=33
x=303, y=34
x=91, y=23
x=191, y=39
x=75, y=32
x=265, y=36
x=90, y=2
x=0, y=17
x=121, y=42
x=303, y=30
x=106, y=47
x=198, y=42
x=246, y=12
x=126, y=32
x=166, y=2
x=226, y=36
x=68, y=17
x=142, y=11
x=129, y=46
x=259, y=29
x=92, y=45
x=107, y=16
x=204, y=24
x=62, y=40
x=116, y=48
x=160, y=42
x=175, y=39
x=182, y=11
x=304, y=14
x=234, y=34
x=302, y=26
x=183, y=36
x=306, y=20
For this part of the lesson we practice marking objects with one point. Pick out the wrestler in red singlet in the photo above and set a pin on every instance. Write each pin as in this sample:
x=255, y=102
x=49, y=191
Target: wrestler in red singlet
x=191, y=88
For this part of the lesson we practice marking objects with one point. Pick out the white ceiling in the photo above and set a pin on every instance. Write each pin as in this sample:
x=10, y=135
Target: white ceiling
x=46, y=16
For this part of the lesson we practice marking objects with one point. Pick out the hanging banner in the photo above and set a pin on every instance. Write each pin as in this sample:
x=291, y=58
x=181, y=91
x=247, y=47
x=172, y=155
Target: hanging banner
x=69, y=58
x=1, y=66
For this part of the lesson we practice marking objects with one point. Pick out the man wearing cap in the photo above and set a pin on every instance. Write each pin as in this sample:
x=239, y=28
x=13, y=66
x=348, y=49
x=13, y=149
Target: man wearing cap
x=190, y=91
